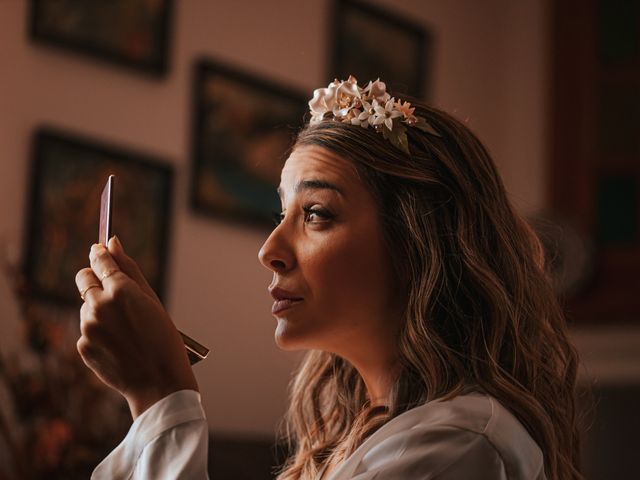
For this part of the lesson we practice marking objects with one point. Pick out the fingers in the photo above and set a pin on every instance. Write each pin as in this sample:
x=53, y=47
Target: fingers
x=129, y=266
x=88, y=284
x=105, y=268
x=91, y=327
x=97, y=358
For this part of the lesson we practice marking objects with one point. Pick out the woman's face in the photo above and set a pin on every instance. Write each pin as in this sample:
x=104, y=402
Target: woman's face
x=328, y=251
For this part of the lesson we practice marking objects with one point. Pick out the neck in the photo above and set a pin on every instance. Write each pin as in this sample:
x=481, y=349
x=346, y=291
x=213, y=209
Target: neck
x=379, y=373
x=379, y=385
x=376, y=359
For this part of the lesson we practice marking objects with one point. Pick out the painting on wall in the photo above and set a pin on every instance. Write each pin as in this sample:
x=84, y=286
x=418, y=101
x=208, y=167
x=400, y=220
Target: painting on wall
x=68, y=175
x=243, y=128
x=370, y=42
x=133, y=33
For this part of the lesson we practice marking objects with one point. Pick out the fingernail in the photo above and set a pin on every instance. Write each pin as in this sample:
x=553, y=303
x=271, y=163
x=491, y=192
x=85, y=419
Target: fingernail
x=117, y=243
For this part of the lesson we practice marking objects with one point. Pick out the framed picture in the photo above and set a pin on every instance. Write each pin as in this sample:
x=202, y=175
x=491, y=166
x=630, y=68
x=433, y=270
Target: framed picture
x=133, y=33
x=369, y=42
x=243, y=128
x=68, y=175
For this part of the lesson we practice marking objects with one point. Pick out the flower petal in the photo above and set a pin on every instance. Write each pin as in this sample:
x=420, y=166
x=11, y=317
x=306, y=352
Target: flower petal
x=389, y=105
x=315, y=119
x=377, y=89
x=323, y=100
x=340, y=112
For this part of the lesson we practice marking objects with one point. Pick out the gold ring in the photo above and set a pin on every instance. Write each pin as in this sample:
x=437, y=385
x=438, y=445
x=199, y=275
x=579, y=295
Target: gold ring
x=108, y=273
x=84, y=291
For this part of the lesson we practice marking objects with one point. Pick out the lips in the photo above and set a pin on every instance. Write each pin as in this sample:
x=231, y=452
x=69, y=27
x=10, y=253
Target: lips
x=283, y=299
x=281, y=305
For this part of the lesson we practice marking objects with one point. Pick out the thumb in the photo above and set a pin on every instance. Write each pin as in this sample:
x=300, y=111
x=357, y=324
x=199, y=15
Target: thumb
x=129, y=266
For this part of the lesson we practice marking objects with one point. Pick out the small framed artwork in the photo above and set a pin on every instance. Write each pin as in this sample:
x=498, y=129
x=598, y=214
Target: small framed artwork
x=243, y=128
x=371, y=42
x=68, y=175
x=132, y=33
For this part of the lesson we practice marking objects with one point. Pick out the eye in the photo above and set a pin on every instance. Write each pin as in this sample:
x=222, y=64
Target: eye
x=322, y=214
x=311, y=215
x=277, y=217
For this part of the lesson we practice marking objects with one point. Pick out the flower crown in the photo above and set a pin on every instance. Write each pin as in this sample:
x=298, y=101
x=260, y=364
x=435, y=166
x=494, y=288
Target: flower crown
x=371, y=105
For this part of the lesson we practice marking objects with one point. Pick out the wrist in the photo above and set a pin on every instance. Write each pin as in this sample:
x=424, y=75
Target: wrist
x=141, y=400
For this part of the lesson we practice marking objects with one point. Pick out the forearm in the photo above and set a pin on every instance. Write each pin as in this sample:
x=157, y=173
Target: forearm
x=169, y=440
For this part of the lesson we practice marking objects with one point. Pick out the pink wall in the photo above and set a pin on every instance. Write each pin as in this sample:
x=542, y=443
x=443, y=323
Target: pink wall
x=490, y=67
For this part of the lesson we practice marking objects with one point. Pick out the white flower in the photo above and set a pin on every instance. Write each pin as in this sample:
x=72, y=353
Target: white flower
x=377, y=90
x=355, y=119
x=386, y=114
x=323, y=101
x=338, y=98
x=371, y=106
x=365, y=117
x=348, y=91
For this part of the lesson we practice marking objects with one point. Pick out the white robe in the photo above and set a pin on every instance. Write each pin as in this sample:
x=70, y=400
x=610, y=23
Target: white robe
x=469, y=437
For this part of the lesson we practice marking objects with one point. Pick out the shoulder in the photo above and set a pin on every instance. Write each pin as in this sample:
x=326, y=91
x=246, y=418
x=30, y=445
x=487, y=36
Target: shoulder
x=469, y=436
x=487, y=422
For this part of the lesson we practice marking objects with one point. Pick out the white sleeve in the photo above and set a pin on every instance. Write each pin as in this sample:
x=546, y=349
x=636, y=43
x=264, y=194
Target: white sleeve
x=441, y=453
x=168, y=441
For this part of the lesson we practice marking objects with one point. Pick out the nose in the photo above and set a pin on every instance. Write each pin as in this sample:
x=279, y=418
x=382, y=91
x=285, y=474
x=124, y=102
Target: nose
x=275, y=254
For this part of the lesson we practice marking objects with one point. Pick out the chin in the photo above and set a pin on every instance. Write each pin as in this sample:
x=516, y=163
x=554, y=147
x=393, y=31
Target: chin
x=290, y=337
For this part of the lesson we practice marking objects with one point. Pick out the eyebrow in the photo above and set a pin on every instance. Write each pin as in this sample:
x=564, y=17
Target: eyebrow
x=314, y=185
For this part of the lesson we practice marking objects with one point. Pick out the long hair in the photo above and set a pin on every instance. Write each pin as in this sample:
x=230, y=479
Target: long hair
x=479, y=309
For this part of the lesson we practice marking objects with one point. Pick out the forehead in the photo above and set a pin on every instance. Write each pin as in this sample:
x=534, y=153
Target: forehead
x=315, y=167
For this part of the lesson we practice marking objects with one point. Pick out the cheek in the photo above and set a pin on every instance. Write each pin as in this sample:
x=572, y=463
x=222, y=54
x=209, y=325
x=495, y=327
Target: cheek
x=350, y=277
x=349, y=299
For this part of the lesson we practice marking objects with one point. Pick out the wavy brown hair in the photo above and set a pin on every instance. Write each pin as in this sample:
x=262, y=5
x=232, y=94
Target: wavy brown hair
x=480, y=309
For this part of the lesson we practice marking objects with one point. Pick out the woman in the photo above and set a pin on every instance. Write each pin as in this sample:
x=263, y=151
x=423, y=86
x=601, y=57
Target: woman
x=437, y=348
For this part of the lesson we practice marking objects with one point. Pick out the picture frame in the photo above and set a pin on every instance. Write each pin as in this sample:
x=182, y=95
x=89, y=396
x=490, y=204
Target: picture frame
x=243, y=127
x=68, y=173
x=371, y=42
x=129, y=33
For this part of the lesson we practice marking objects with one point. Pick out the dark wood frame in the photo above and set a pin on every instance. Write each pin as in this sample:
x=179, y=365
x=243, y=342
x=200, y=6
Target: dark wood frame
x=422, y=37
x=203, y=69
x=150, y=67
x=43, y=139
x=611, y=293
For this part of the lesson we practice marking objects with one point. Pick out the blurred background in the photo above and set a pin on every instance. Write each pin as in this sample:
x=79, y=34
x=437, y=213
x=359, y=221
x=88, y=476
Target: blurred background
x=193, y=103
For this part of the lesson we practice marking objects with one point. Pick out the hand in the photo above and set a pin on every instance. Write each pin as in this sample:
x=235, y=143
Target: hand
x=127, y=337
